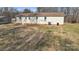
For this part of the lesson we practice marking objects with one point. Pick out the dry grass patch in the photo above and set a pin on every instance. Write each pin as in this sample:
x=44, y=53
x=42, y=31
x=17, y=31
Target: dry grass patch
x=39, y=37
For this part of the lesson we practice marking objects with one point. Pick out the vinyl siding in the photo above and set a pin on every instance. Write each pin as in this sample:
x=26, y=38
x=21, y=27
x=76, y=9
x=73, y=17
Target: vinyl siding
x=41, y=20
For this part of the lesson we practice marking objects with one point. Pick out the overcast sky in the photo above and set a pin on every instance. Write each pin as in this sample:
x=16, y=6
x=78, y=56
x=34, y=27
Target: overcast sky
x=34, y=9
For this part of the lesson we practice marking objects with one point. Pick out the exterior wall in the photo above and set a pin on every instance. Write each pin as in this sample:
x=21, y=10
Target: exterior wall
x=52, y=20
x=40, y=20
x=27, y=20
x=18, y=20
x=55, y=20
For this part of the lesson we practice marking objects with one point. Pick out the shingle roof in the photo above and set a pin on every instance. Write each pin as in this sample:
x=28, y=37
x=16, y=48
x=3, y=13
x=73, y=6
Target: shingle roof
x=54, y=14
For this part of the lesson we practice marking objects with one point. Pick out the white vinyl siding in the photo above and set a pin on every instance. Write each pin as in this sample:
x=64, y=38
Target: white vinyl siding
x=40, y=20
x=55, y=20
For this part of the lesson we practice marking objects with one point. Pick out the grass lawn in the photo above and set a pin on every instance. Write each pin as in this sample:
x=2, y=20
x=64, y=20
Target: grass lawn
x=15, y=37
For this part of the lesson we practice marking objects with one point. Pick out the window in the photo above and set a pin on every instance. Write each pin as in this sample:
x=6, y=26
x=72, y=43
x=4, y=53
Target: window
x=25, y=17
x=44, y=18
x=19, y=17
x=29, y=18
x=36, y=17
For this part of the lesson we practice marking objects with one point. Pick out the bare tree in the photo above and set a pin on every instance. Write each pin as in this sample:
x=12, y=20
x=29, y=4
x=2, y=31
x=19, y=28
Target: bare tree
x=71, y=14
x=8, y=11
x=75, y=15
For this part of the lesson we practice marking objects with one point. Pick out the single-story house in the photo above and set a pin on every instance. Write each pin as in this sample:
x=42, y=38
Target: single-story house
x=40, y=18
x=5, y=20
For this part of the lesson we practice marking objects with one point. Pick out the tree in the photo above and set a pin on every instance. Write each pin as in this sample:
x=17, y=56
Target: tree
x=67, y=12
x=8, y=11
x=75, y=14
x=27, y=11
x=38, y=9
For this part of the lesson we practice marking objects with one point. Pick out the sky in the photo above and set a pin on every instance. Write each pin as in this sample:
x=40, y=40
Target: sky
x=34, y=9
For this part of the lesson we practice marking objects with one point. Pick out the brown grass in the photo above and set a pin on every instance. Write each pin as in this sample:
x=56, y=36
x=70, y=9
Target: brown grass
x=39, y=37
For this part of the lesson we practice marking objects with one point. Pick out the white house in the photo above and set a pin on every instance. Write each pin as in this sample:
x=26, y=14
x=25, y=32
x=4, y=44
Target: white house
x=40, y=18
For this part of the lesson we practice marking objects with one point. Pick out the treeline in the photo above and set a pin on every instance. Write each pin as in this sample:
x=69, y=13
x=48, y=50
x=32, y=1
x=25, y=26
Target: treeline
x=11, y=11
x=8, y=11
x=74, y=16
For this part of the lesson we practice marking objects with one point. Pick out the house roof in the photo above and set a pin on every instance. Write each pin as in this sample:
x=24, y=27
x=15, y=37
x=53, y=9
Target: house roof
x=54, y=14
